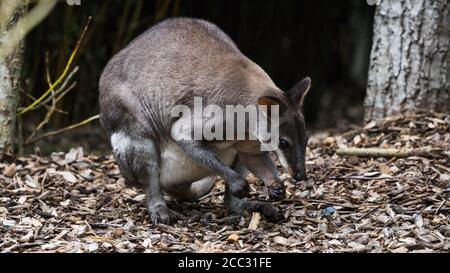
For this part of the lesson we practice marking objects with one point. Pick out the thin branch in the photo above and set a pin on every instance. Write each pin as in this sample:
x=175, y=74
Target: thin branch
x=63, y=75
x=50, y=112
x=63, y=85
x=57, y=92
x=57, y=132
x=72, y=86
x=44, y=105
x=47, y=69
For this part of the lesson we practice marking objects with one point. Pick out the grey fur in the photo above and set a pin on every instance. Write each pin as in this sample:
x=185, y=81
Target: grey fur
x=166, y=66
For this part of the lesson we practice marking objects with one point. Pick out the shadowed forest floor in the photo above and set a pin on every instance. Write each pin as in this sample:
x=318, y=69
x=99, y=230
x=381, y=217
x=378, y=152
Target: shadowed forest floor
x=78, y=202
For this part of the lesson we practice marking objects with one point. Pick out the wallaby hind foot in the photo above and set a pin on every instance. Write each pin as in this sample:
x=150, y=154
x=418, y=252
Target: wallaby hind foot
x=161, y=214
x=138, y=160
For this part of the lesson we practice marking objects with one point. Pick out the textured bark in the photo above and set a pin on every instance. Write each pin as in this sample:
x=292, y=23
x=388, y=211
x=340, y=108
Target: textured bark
x=10, y=74
x=410, y=58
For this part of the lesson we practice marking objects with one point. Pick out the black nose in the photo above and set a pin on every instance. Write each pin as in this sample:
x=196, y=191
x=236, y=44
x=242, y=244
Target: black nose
x=300, y=177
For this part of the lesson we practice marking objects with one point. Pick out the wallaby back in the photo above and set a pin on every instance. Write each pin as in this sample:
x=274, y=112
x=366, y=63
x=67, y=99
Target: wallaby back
x=168, y=65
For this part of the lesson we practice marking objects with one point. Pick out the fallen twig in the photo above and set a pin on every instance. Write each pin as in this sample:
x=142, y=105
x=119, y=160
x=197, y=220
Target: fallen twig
x=256, y=217
x=440, y=207
x=388, y=153
x=367, y=214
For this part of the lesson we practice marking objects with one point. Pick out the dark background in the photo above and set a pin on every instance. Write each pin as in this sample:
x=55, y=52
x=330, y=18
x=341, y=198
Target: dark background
x=330, y=41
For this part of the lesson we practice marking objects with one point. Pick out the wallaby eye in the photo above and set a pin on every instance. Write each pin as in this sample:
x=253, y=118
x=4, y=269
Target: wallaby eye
x=284, y=144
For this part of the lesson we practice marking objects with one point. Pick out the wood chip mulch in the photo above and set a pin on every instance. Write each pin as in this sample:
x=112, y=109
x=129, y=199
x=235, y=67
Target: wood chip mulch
x=76, y=202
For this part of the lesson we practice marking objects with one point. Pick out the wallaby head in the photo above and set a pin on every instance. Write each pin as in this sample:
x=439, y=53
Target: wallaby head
x=293, y=137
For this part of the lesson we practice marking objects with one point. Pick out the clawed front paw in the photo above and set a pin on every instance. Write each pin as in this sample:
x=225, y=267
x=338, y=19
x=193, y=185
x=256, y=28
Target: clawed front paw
x=239, y=188
x=266, y=209
x=277, y=191
x=162, y=215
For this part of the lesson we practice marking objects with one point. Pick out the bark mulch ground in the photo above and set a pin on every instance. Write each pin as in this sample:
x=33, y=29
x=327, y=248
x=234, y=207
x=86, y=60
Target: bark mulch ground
x=77, y=202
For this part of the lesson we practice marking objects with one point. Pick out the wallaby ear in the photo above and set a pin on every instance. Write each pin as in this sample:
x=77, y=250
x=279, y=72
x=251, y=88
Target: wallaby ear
x=299, y=91
x=269, y=100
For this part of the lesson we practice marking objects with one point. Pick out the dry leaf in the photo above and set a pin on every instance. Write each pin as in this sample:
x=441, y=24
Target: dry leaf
x=31, y=182
x=8, y=223
x=370, y=125
x=357, y=246
x=233, y=238
x=282, y=241
x=399, y=205
x=118, y=232
x=92, y=247
x=68, y=176
x=26, y=237
x=418, y=220
x=10, y=170
x=384, y=169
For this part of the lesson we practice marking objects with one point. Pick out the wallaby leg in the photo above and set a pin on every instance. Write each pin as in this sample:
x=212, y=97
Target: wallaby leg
x=239, y=167
x=239, y=206
x=201, y=154
x=138, y=160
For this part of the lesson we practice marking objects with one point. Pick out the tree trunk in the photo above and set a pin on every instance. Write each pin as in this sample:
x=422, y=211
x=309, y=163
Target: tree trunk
x=409, y=69
x=10, y=75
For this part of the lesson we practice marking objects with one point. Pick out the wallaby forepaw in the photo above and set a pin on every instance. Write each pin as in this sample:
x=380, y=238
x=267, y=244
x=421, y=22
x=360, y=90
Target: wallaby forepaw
x=163, y=215
x=277, y=191
x=271, y=213
x=266, y=209
x=275, y=217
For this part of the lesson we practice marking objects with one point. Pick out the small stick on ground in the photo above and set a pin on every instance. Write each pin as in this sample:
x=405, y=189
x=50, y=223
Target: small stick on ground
x=387, y=153
x=367, y=214
x=440, y=207
x=256, y=217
